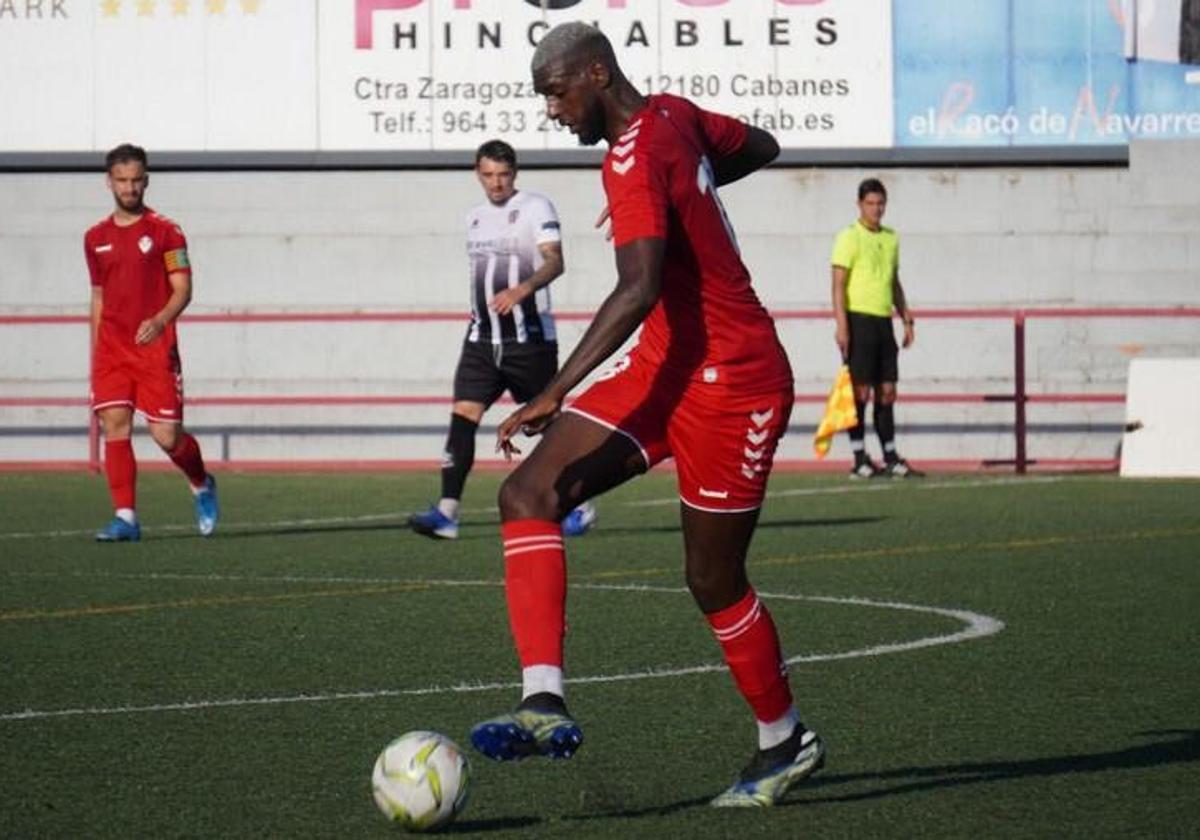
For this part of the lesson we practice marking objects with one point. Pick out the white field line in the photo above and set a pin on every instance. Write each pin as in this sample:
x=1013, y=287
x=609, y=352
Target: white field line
x=876, y=486
x=976, y=626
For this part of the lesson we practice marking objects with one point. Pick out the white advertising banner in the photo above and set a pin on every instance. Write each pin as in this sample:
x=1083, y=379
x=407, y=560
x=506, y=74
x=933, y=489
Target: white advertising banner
x=448, y=74
x=418, y=75
x=189, y=75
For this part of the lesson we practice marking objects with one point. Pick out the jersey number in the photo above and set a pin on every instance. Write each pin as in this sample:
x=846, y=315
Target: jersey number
x=706, y=182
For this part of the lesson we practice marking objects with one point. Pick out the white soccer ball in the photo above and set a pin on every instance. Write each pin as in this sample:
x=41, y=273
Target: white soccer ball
x=420, y=780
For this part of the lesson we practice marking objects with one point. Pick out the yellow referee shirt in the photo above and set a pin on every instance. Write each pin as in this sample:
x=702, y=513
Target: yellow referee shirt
x=871, y=259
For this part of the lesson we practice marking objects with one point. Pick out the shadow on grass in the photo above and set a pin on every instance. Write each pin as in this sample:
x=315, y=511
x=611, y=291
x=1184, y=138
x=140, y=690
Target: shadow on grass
x=1182, y=747
x=504, y=824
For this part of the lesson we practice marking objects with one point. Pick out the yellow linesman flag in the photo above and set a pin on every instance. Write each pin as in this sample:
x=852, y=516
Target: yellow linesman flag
x=840, y=413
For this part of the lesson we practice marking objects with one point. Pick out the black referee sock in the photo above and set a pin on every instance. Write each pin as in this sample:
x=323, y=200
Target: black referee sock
x=459, y=456
x=885, y=427
x=858, y=433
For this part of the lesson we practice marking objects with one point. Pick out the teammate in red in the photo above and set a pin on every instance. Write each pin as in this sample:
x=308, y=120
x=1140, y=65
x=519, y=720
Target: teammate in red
x=141, y=281
x=708, y=383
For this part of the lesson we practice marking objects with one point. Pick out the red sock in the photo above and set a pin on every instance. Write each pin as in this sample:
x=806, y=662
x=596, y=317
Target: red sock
x=120, y=468
x=751, y=646
x=186, y=456
x=535, y=584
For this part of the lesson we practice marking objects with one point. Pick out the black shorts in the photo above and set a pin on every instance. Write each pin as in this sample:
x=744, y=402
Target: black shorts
x=486, y=370
x=873, y=350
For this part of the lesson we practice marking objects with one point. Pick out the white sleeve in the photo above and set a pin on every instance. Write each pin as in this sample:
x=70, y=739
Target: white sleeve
x=544, y=219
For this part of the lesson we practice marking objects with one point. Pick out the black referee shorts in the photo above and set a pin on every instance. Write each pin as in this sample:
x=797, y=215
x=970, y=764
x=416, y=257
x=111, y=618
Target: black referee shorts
x=873, y=350
x=486, y=370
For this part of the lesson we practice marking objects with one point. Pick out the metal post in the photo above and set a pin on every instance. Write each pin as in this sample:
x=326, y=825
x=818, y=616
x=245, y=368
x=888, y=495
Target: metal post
x=1019, y=386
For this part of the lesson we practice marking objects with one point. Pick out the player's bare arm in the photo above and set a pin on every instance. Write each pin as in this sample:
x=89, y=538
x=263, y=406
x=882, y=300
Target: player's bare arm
x=842, y=331
x=181, y=296
x=551, y=268
x=757, y=151
x=901, y=304
x=639, y=283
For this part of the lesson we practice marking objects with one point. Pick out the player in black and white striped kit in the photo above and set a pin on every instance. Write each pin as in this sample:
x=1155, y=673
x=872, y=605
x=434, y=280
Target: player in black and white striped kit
x=514, y=250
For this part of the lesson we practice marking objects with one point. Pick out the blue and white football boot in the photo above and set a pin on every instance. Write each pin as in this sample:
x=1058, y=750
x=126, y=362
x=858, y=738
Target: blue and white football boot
x=772, y=773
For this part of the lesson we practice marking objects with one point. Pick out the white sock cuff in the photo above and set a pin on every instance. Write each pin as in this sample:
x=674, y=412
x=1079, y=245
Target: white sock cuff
x=774, y=733
x=537, y=679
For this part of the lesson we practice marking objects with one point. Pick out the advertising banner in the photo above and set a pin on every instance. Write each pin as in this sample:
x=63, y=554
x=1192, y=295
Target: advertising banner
x=1030, y=73
x=448, y=74
x=196, y=75
x=221, y=78
x=418, y=75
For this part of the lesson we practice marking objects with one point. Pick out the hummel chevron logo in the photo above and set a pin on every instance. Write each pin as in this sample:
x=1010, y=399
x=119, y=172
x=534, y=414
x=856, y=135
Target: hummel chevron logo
x=757, y=437
x=746, y=471
x=760, y=419
x=752, y=454
x=631, y=130
x=622, y=149
x=623, y=166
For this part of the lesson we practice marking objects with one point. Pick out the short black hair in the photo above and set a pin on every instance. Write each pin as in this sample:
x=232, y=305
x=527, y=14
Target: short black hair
x=871, y=185
x=497, y=150
x=125, y=153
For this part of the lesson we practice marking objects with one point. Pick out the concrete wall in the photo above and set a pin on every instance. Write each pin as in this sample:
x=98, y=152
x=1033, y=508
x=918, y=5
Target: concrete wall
x=392, y=241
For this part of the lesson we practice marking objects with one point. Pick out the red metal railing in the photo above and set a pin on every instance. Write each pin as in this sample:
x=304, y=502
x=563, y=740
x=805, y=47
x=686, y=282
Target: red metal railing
x=1019, y=397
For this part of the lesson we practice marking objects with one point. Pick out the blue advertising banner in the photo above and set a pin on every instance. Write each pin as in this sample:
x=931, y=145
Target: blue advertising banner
x=1013, y=73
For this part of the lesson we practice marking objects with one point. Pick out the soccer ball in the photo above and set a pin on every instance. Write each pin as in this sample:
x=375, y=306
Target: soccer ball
x=420, y=780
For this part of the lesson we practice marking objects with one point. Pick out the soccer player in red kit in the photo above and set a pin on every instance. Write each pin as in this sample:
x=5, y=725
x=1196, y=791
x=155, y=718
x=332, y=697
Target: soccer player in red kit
x=708, y=383
x=141, y=281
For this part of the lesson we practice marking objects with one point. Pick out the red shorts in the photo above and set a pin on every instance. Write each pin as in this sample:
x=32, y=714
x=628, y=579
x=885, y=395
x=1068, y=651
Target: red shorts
x=147, y=378
x=723, y=440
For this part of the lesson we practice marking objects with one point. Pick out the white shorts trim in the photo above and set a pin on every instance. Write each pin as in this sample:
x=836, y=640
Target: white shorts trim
x=617, y=429
x=152, y=419
x=694, y=506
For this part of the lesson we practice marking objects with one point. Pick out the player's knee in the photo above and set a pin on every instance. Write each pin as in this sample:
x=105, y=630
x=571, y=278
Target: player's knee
x=521, y=497
x=116, y=425
x=166, y=435
x=715, y=589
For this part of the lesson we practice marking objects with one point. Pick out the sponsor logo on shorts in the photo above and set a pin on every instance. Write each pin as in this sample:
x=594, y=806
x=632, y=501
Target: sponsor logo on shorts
x=714, y=494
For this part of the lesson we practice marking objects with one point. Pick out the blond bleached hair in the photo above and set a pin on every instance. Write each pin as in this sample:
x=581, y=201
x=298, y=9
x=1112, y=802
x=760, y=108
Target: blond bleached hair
x=571, y=42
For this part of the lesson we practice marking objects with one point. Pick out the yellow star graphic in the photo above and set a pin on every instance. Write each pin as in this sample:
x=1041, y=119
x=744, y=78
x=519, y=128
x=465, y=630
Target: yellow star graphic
x=179, y=8
x=110, y=8
x=145, y=8
x=215, y=7
x=250, y=7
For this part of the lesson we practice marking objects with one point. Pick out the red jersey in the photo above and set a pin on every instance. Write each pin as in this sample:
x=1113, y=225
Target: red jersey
x=708, y=324
x=131, y=265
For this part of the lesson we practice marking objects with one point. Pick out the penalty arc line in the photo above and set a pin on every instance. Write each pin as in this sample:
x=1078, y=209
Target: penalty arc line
x=978, y=626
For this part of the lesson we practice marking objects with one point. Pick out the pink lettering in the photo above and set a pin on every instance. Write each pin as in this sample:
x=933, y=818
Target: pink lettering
x=1085, y=106
x=955, y=102
x=364, y=11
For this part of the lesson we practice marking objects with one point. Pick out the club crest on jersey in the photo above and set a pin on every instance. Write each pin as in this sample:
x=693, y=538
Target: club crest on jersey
x=513, y=215
x=145, y=244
